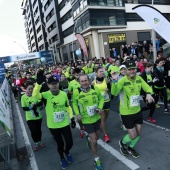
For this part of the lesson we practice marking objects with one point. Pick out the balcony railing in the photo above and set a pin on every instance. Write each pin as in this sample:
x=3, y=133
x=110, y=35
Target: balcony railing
x=157, y=2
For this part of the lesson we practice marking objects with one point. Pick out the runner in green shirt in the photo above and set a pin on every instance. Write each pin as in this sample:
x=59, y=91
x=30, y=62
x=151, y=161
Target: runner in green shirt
x=130, y=87
x=87, y=104
x=57, y=111
x=33, y=114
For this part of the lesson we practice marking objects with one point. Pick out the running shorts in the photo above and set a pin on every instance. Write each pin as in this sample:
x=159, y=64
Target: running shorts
x=131, y=120
x=93, y=127
x=106, y=106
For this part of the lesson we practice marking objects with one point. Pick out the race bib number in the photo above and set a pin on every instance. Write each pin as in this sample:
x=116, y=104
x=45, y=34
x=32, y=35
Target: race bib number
x=134, y=100
x=58, y=116
x=65, y=90
x=91, y=110
x=32, y=114
x=105, y=96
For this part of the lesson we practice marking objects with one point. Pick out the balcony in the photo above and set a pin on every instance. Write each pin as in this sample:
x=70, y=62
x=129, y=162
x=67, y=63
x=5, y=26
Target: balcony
x=156, y=2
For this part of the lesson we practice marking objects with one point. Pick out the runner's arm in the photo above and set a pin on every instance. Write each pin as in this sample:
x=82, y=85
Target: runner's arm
x=116, y=87
x=75, y=102
x=69, y=109
x=36, y=91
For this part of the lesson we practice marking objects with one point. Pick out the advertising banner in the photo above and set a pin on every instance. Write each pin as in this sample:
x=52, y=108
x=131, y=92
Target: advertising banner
x=2, y=72
x=155, y=19
x=6, y=92
x=28, y=56
x=5, y=119
x=82, y=43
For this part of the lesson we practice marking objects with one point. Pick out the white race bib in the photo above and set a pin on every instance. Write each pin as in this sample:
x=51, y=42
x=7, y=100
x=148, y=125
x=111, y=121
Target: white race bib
x=91, y=110
x=59, y=116
x=65, y=90
x=32, y=114
x=105, y=96
x=134, y=100
x=168, y=72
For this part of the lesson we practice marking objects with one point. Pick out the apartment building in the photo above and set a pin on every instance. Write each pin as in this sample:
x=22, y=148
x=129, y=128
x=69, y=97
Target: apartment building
x=104, y=24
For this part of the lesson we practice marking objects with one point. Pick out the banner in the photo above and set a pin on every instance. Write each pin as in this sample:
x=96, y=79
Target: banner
x=2, y=72
x=82, y=43
x=46, y=54
x=5, y=119
x=155, y=19
x=5, y=89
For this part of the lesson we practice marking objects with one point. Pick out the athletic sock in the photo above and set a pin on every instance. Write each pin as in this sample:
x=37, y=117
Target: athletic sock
x=126, y=139
x=134, y=141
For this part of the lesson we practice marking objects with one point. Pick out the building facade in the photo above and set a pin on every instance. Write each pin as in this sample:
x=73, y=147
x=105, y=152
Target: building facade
x=104, y=24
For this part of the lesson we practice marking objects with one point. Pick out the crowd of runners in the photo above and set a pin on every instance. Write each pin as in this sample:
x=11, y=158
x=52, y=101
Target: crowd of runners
x=83, y=91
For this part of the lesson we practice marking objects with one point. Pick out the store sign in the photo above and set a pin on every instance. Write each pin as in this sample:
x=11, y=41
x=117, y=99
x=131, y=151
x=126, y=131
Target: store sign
x=115, y=38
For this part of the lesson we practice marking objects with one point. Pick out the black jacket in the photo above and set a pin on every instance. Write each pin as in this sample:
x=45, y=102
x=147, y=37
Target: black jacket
x=144, y=76
x=160, y=76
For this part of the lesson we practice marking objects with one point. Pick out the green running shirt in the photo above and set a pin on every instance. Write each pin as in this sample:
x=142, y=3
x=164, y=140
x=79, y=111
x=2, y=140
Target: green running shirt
x=74, y=84
x=27, y=101
x=130, y=94
x=57, y=108
x=86, y=103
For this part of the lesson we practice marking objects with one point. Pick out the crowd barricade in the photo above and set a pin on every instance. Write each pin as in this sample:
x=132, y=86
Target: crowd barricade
x=6, y=125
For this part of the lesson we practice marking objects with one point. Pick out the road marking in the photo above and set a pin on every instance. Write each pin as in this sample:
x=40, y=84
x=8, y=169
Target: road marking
x=157, y=126
x=118, y=155
x=30, y=152
x=115, y=153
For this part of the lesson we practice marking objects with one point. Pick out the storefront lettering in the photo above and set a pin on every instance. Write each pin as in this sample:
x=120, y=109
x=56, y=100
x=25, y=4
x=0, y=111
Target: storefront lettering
x=114, y=38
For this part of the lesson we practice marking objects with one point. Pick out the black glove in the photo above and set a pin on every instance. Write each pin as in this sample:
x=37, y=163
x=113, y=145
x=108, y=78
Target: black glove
x=40, y=77
x=35, y=110
x=73, y=123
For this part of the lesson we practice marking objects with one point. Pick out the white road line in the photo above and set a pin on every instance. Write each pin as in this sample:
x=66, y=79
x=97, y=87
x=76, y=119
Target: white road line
x=157, y=126
x=116, y=154
x=30, y=152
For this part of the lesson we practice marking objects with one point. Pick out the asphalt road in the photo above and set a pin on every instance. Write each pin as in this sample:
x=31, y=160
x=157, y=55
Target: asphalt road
x=153, y=146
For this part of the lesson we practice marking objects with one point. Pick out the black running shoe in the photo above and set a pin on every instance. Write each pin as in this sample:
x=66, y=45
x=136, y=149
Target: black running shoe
x=123, y=148
x=133, y=152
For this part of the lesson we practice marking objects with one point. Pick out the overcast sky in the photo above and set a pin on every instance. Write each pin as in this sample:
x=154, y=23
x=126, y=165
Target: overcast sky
x=12, y=28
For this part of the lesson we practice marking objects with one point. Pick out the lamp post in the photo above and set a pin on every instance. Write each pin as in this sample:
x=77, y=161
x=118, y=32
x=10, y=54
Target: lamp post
x=46, y=31
x=153, y=41
x=75, y=24
x=19, y=62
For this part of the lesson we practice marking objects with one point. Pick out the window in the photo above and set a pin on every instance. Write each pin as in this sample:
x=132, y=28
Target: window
x=54, y=38
x=30, y=30
x=36, y=11
x=51, y=13
x=51, y=27
x=38, y=29
x=68, y=31
x=37, y=20
x=66, y=17
x=41, y=47
x=34, y=3
x=144, y=36
x=32, y=37
x=64, y=51
x=63, y=4
x=47, y=4
x=133, y=17
x=33, y=44
x=40, y=38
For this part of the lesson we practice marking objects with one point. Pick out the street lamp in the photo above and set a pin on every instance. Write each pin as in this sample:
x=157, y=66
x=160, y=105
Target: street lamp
x=75, y=24
x=20, y=46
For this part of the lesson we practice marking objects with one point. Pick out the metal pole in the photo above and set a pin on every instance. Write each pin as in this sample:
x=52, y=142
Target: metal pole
x=153, y=41
x=20, y=46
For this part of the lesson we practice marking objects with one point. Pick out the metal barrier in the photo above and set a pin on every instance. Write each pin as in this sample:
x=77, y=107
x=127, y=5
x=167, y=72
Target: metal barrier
x=5, y=142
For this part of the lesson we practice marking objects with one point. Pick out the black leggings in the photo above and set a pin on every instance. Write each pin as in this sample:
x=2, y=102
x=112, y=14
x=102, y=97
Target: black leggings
x=163, y=92
x=149, y=106
x=64, y=132
x=35, y=128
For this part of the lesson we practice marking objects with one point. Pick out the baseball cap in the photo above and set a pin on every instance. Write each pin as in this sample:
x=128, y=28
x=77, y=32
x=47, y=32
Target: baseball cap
x=52, y=79
x=130, y=64
x=122, y=66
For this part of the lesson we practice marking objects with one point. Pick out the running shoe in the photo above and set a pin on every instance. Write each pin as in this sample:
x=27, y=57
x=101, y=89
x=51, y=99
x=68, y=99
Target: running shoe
x=157, y=106
x=35, y=148
x=123, y=148
x=41, y=145
x=133, y=152
x=98, y=164
x=64, y=164
x=69, y=158
x=151, y=120
x=123, y=127
x=106, y=139
x=166, y=111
